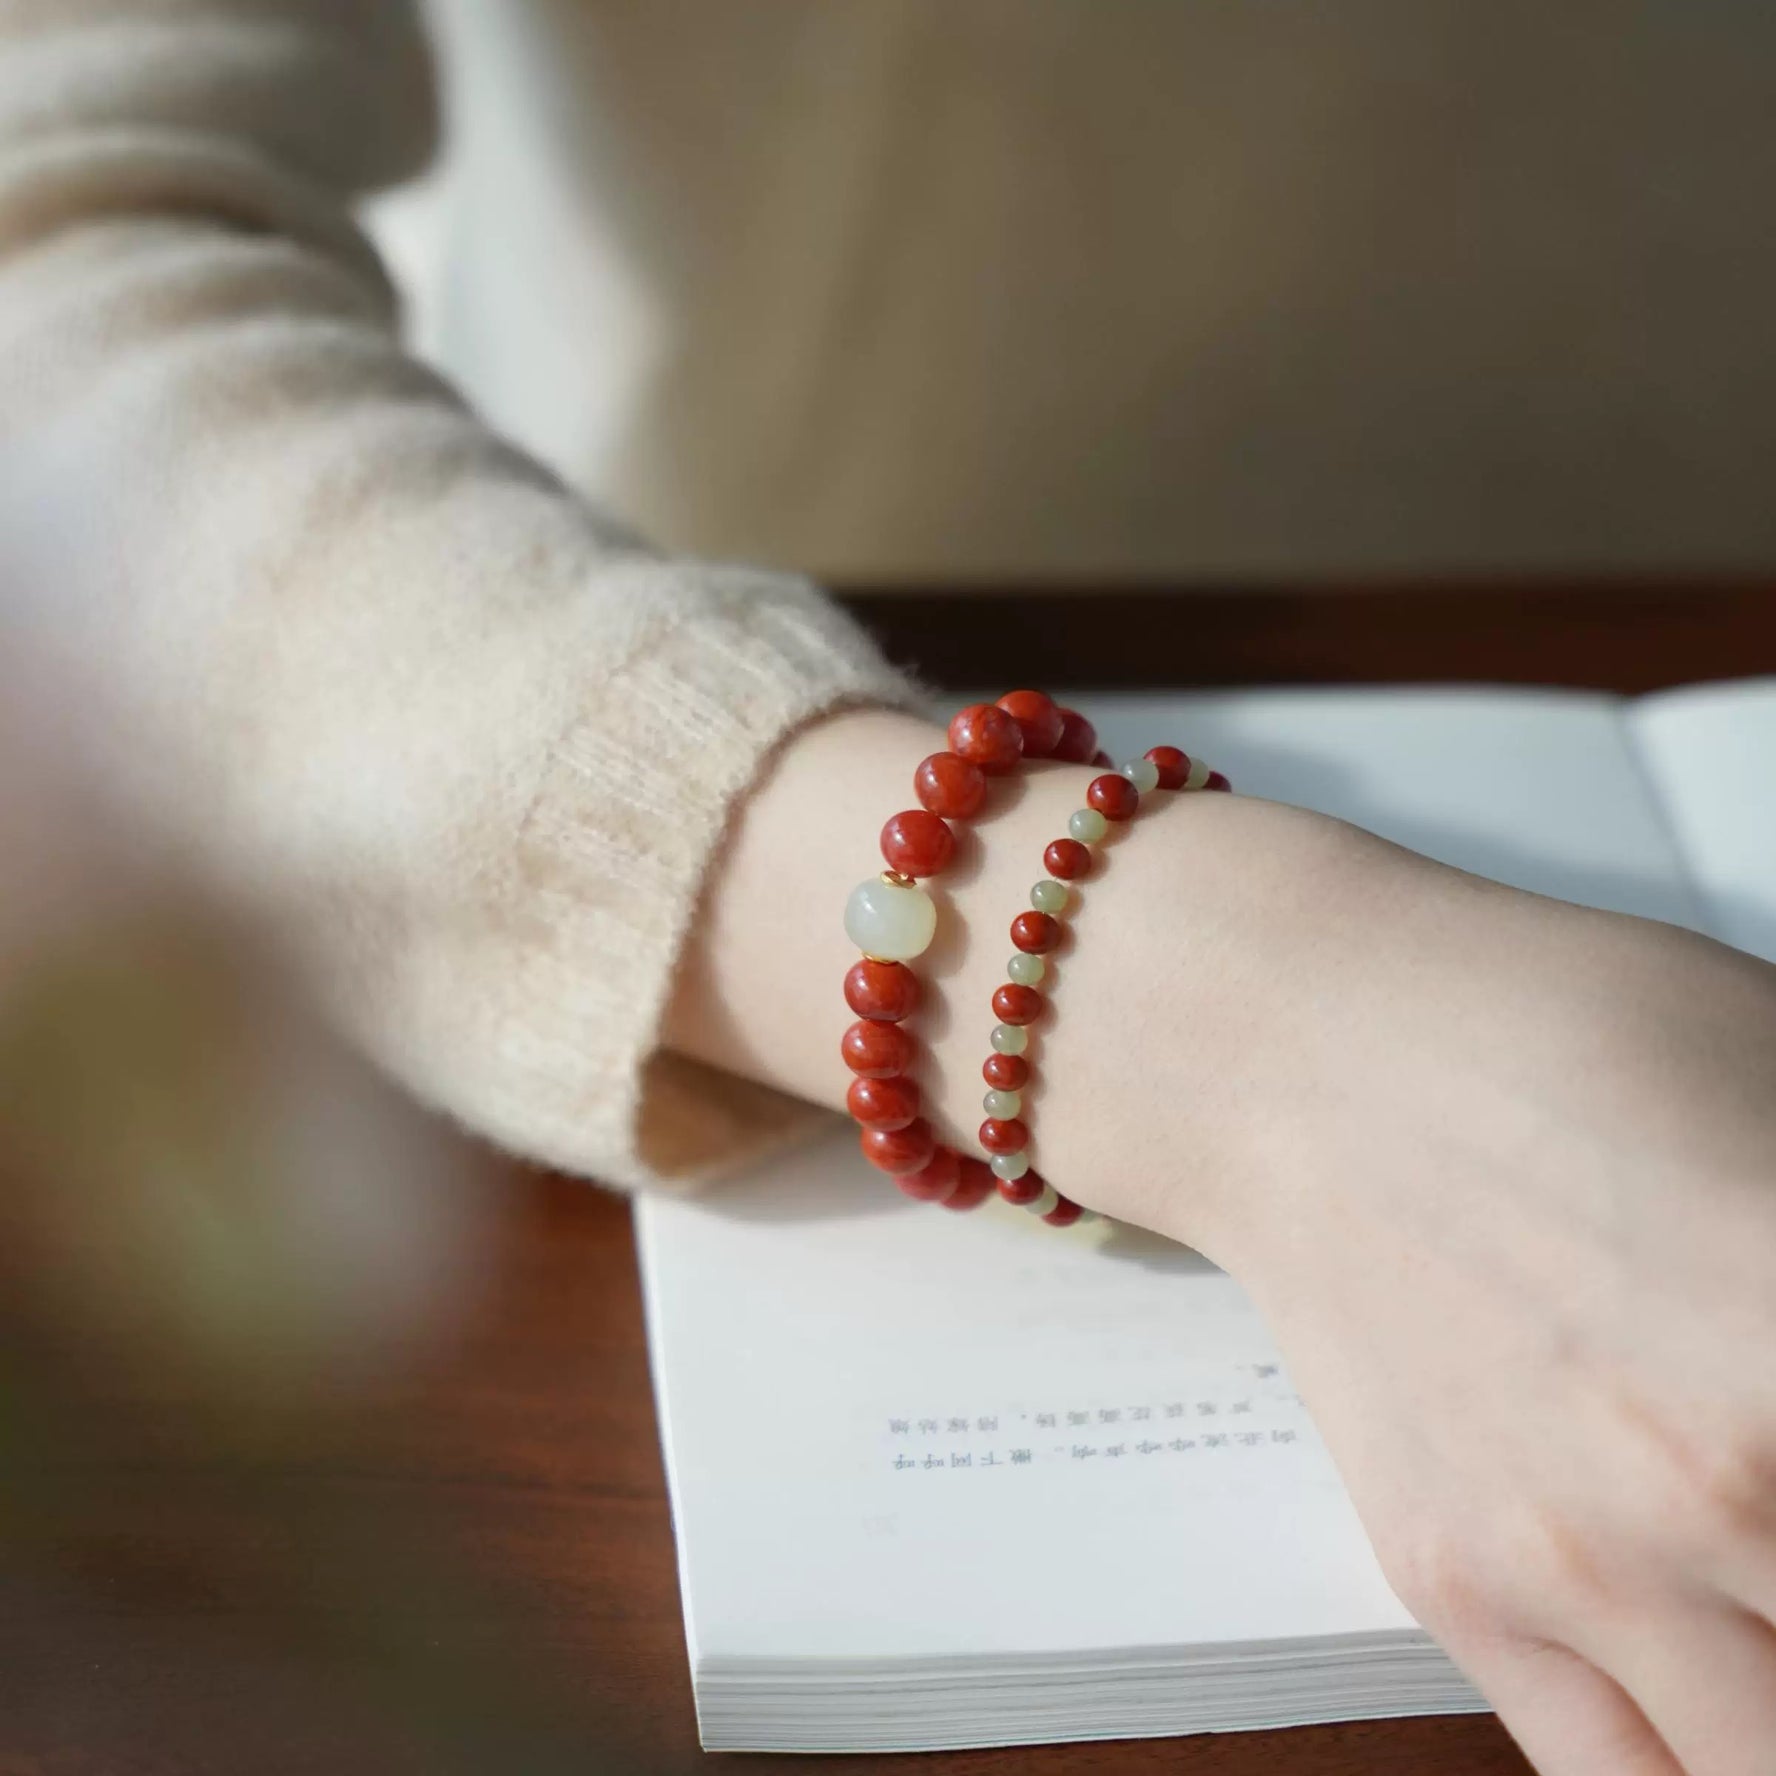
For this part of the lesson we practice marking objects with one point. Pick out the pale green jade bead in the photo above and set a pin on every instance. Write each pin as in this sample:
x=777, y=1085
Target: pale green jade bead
x=1026, y=970
x=1010, y=1039
x=1045, y=1202
x=1003, y=1106
x=1087, y=825
x=889, y=920
x=1009, y=1166
x=1143, y=773
x=1049, y=897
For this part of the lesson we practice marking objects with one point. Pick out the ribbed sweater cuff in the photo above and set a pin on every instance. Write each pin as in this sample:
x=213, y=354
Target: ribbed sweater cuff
x=613, y=859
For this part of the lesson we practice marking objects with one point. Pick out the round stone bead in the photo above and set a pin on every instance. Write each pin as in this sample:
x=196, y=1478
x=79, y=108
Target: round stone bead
x=1079, y=739
x=883, y=991
x=1102, y=760
x=1049, y=897
x=1003, y=1105
x=1036, y=933
x=1087, y=825
x=1113, y=796
x=875, y=1050
x=1067, y=858
x=935, y=1182
x=1143, y=773
x=900, y=1151
x=986, y=736
x=883, y=1103
x=1173, y=765
x=1009, y=1167
x=973, y=1187
x=1021, y=1192
x=889, y=920
x=1006, y=1073
x=1013, y=1004
x=1045, y=1202
x=1027, y=971
x=916, y=843
x=950, y=786
x=1040, y=719
x=1197, y=777
x=1064, y=1213
x=1009, y=1136
x=1010, y=1039
x=1217, y=781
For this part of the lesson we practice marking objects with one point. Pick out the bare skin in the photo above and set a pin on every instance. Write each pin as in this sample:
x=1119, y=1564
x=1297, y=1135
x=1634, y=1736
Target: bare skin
x=1501, y=1172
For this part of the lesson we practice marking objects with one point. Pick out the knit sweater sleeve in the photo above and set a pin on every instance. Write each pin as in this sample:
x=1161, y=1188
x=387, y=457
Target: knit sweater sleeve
x=468, y=744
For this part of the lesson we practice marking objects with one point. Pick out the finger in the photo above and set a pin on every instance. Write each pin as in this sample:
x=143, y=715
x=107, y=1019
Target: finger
x=1570, y=1719
x=1706, y=1679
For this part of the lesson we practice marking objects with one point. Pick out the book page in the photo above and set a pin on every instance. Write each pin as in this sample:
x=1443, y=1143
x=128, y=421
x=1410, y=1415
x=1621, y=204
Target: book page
x=899, y=1434
x=1540, y=789
x=1710, y=753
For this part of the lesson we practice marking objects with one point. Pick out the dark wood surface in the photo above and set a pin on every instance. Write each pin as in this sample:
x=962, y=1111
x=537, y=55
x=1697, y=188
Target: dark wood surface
x=460, y=1558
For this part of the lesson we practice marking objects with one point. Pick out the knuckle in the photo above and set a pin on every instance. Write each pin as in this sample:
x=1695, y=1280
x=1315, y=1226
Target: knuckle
x=1526, y=1565
x=1733, y=1484
x=1441, y=1579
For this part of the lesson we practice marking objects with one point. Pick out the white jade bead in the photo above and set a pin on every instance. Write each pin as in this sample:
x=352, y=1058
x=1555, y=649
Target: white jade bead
x=1010, y=1039
x=1143, y=773
x=1025, y=969
x=1045, y=1202
x=1086, y=1217
x=1009, y=1166
x=1002, y=1106
x=1087, y=825
x=1199, y=774
x=891, y=921
x=1049, y=897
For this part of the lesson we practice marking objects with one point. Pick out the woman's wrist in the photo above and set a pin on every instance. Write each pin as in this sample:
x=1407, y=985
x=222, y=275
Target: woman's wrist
x=1167, y=977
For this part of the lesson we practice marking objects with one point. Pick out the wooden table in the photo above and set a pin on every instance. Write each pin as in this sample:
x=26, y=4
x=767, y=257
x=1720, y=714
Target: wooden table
x=464, y=1561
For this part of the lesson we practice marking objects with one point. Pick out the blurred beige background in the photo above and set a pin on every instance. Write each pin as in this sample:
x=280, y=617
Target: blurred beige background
x=1260, y=289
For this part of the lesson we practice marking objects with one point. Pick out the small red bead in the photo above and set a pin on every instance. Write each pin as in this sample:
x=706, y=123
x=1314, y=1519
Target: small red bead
x=950, y=786
x=1006, y=1073
x=916, y=843
x=1113, y=796
x=1007, y=1136
x=1068, y=859
x=886, y=991
x=937, y=1180
x=1217, y=781
x=899, y=1151
x=1063, y=1214
x=974, y=1186
x=1013, y=1004
x=1020, y=1191
x=1039, y=717
x=1035, y=933
x=883, y=1103
x=1174, y=766
x=986, y=736
x=1079, y=739
x=877, y=1051
x=1102, y=760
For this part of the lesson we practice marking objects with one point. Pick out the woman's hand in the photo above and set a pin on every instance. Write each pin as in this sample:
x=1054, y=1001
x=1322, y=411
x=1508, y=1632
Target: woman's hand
x=1501, y=1173
x=1510, y=1207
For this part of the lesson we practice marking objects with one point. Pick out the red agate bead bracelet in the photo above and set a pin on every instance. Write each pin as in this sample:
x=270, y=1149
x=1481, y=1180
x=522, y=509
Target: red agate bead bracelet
x=1020, y=1002
x=892, y=920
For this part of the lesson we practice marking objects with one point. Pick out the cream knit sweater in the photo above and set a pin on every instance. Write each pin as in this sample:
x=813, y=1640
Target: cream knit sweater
x=469, y=743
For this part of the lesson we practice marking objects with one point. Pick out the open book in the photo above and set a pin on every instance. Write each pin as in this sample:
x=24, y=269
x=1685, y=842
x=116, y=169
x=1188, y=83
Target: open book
x=961, y=1480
